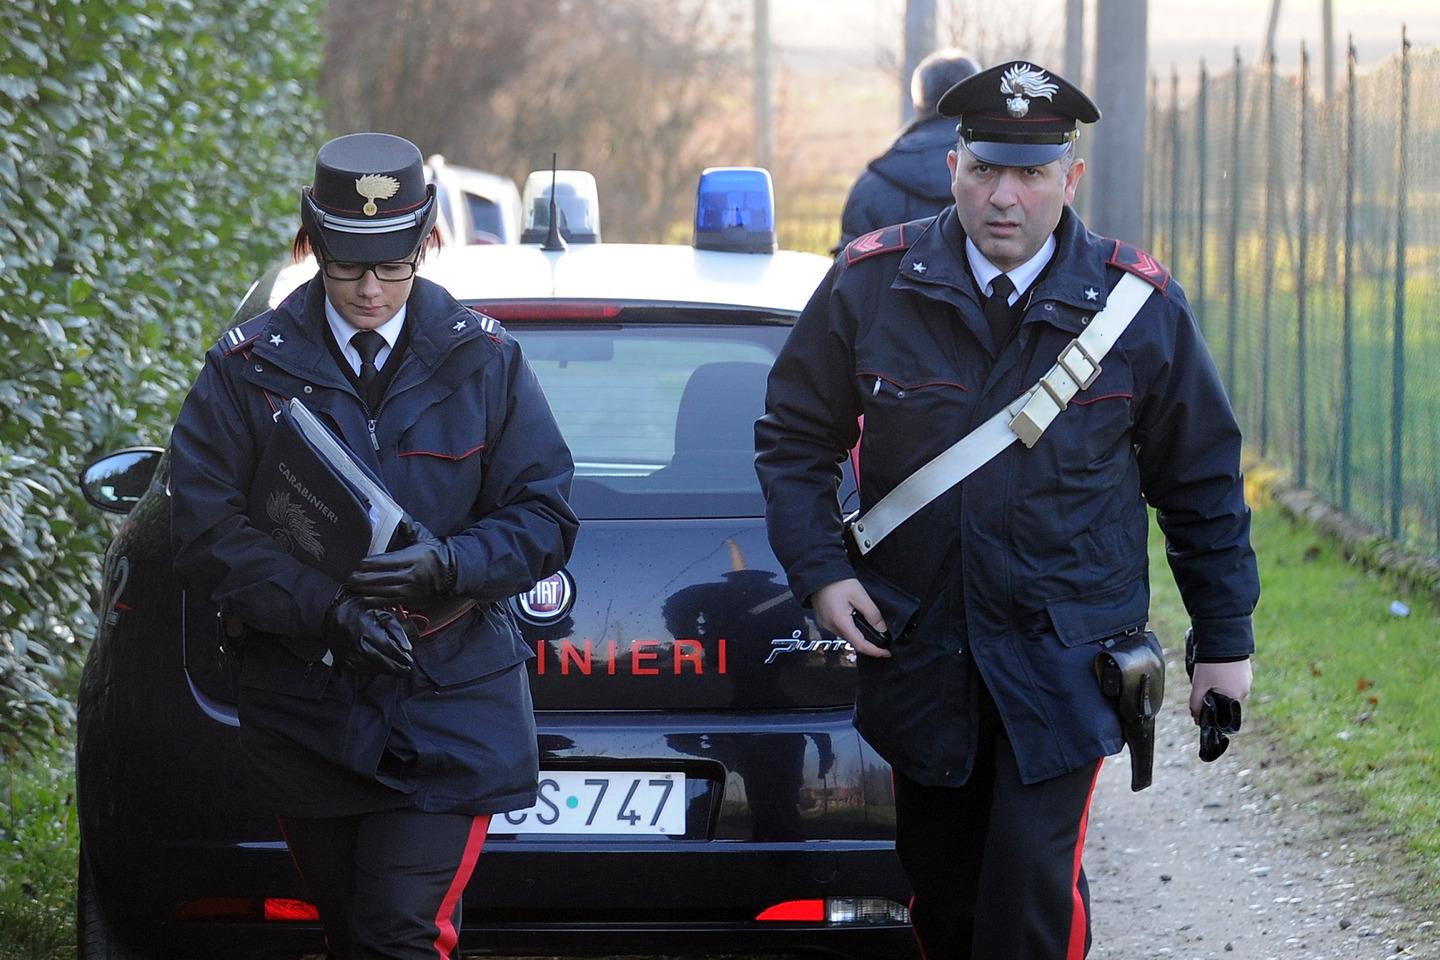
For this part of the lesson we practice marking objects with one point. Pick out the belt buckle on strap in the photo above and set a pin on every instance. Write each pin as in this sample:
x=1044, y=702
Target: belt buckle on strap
x=1026, y=420
x=1067, y=361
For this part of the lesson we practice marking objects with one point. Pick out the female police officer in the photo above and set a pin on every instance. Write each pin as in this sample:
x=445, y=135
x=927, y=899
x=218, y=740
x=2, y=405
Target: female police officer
x=383, y=758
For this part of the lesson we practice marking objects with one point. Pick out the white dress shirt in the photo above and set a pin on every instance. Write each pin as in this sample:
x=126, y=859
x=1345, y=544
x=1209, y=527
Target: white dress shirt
x=1022, y=276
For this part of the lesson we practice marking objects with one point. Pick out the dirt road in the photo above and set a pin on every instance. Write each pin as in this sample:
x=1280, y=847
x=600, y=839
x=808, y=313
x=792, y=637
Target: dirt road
x=1239, y=860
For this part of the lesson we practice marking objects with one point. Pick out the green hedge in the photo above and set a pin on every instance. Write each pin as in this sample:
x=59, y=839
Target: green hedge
x=150, y=152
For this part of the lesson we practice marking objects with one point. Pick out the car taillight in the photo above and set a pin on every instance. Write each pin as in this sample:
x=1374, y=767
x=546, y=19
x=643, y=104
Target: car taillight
x=289, y=910
x=844, y=910
x=865, y=910
x=795, y=911
x=549, y=310
x=248, y=909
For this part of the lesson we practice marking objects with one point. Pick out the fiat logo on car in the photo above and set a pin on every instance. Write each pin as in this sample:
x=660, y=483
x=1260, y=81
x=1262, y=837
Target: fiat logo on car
x=548, y=600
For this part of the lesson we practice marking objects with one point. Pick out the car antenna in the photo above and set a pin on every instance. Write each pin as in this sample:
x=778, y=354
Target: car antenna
x=553, y=239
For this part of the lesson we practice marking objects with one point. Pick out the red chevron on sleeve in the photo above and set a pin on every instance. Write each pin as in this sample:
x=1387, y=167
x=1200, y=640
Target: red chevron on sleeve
x=899, y=236
x=1132, y=259
x=884, y=240
x=871, y=243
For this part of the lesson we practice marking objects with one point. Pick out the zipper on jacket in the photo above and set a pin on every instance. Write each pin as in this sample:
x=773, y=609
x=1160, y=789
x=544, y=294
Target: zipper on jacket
x=884, y=385
x=374, y=440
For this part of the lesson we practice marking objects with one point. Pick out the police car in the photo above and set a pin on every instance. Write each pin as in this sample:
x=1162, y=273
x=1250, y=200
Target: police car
x=702, y=788
x=475, y=206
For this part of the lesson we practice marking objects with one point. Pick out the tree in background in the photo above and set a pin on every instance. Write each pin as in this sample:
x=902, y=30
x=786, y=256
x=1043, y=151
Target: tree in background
x=149, y=157
x=642, y=94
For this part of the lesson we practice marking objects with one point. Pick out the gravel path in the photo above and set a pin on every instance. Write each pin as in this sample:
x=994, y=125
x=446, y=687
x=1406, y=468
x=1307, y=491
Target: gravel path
x=1238, y=860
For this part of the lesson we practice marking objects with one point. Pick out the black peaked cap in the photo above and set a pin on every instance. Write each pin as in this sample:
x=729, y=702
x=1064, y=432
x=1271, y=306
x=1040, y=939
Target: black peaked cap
x=1017, y=114
x=369, y=202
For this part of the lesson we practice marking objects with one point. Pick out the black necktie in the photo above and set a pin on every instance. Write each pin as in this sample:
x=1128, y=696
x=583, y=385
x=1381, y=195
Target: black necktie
x=998, y=312
x=368, y=344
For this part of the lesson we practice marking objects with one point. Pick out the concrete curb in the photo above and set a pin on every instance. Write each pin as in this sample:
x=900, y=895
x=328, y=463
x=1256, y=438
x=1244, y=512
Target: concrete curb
x=1267, y=483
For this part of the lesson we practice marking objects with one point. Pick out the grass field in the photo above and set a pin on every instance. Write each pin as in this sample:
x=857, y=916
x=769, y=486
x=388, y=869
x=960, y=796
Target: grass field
x=1345, y=688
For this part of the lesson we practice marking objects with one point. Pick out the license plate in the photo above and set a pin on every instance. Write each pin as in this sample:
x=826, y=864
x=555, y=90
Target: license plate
x=601, y=804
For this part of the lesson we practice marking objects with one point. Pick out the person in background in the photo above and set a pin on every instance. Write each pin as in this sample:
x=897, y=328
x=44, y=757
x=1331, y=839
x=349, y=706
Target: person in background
x=993, y=602
x=908, y=180
x=383, y=741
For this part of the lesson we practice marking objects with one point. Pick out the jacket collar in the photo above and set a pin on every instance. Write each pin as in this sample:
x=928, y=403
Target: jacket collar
x=294, y=337
x=1076, y=276
x=936, y=260
x=1081, y=283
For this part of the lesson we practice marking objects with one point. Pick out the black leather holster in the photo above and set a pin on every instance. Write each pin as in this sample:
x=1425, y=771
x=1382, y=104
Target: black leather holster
x=1131, y=671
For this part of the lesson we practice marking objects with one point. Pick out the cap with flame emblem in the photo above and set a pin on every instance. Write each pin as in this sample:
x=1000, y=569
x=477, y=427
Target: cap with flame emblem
x=369, y=202
x=1017, y=114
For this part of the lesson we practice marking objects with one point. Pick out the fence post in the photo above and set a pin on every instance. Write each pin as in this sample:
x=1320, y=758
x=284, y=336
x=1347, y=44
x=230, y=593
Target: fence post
x=1172, y=252
x=1397, y=432
x=1152, y=158
x=1201, y=104
x=1268, y=256
x=1301, y=268
x=1347, y=328
x=1232, y=252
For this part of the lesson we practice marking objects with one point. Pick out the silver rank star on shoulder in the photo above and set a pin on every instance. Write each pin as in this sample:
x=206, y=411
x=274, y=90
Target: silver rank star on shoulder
x=276, y=339
x=919, y=267
x=459, y=325
x=1091, y=293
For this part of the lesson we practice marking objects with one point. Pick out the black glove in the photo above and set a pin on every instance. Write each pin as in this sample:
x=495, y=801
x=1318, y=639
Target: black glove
x=424, y=568
x=365, y=638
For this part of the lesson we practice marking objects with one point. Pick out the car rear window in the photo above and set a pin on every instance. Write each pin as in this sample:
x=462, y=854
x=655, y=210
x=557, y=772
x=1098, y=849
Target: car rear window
x=660, y=417
x=486, y=222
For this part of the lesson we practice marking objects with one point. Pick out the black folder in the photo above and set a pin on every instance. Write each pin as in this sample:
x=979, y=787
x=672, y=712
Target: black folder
x=316, y=500
x=326, y=508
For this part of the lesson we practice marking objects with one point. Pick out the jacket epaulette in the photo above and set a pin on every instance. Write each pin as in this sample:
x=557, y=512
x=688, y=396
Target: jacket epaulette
x=899, y=236
x=488, y=324
x=241, y=337
x=1132, y=259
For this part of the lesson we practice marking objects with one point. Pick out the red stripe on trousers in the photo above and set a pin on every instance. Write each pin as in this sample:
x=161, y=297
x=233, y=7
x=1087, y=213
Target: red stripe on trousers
x=445, y=942
x=918, y=942
x=1076, y=950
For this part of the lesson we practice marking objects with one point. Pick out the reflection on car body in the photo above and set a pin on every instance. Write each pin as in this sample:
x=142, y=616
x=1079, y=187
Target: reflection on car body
x=704, y=789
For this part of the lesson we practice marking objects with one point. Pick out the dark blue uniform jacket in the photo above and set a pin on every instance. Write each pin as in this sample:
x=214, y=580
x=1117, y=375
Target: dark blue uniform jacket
x=1038, y=556
x=907, y=181
x=465, y=441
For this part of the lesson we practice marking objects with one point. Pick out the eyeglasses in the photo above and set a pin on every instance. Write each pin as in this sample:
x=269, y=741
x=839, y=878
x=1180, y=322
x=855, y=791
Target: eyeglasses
x=393, y=271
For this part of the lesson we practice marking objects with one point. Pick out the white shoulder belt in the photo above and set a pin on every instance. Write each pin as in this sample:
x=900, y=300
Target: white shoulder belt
x=1025, y=419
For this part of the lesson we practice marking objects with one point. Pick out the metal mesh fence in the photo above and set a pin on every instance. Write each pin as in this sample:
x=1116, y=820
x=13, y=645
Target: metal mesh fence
x=1307, y=234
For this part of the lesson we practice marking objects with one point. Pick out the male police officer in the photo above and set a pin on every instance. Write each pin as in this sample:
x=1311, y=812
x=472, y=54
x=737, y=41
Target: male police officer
x=907, y=180
x=382, y=740
x=997, y=596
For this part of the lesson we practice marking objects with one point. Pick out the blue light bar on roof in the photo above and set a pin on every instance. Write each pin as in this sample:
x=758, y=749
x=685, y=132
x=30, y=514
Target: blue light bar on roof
x=735, y=210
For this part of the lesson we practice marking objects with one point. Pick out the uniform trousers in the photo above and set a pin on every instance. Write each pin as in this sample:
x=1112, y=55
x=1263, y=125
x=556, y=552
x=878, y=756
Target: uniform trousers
x=995, y=864
x=387, y=884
